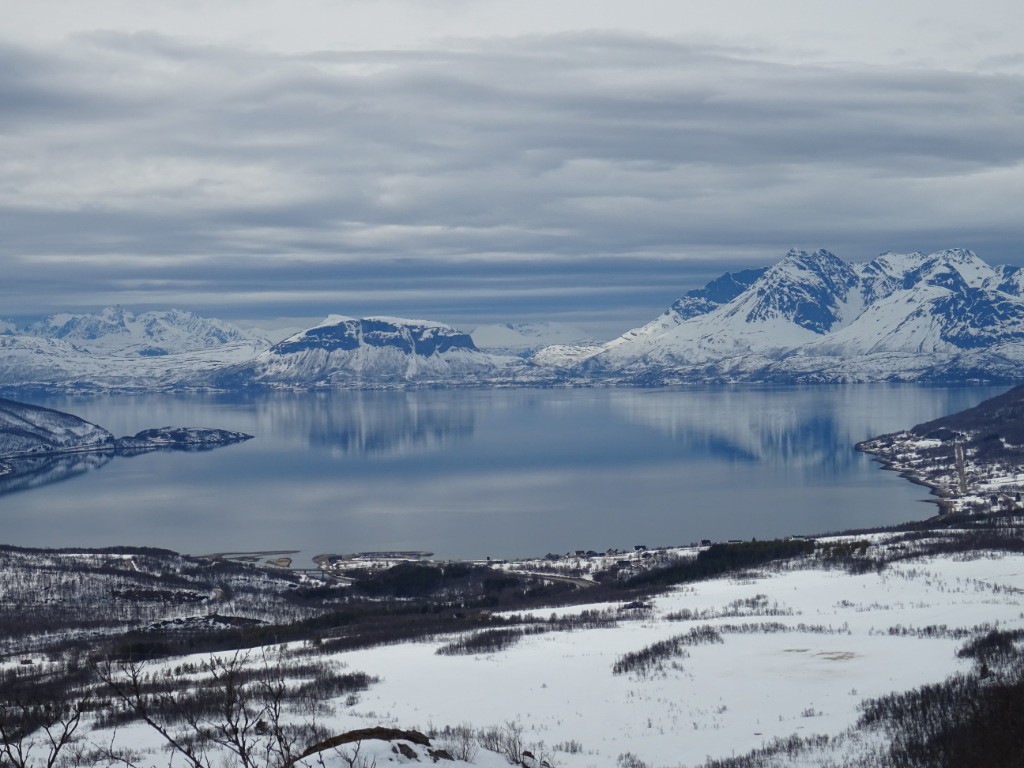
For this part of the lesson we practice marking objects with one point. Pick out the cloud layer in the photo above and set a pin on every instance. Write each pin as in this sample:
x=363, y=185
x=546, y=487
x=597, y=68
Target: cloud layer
x=592, y=176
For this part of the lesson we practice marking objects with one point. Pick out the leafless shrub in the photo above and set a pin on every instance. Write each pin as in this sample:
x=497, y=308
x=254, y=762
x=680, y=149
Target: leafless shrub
x=459, y=741
x=506, y=740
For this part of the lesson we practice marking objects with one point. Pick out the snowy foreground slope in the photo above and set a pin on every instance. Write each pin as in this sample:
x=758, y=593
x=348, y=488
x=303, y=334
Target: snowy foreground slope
x=784, y=654
x=799, y=651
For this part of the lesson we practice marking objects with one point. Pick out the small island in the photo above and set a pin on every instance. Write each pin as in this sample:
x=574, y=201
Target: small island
x=42, y=445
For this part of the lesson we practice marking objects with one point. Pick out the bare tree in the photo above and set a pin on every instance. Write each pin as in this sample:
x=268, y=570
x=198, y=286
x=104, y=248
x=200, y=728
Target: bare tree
x=239, y=709
x=31, y=725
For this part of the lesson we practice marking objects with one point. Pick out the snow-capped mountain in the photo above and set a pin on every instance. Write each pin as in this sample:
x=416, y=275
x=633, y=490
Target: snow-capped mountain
x=813, y=317
x=946, y=316
x=115, y=330
x=116, y=349
x=344, y=351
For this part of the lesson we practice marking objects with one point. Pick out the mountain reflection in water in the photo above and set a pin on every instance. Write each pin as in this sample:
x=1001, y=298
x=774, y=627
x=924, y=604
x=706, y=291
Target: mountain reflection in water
x=34, y=471
x=373, y=423
x=809, y=429
x=468, y=473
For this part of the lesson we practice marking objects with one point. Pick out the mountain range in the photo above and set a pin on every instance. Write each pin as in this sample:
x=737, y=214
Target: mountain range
x=945, y=316
x=115, y=349
x=812, y=317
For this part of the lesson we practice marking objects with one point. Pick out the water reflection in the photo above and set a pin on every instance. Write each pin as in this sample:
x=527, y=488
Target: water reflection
x=811, y=429
x=35, y=471
x=372, y=423
x=486, y=472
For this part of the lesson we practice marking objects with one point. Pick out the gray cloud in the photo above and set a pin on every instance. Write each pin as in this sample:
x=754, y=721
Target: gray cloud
x=489, y=180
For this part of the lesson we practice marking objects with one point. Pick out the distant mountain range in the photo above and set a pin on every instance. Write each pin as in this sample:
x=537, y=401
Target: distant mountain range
x=526, y=338
x=115, y=349
x=812, y=317
x=117, y=331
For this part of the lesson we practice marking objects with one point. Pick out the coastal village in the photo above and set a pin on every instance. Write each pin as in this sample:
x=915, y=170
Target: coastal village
x=973, y=462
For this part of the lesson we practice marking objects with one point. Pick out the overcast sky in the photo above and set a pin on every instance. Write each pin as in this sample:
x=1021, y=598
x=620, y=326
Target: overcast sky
x=476, y=161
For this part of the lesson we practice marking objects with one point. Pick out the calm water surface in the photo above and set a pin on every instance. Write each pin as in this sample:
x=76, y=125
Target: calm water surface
x=491, y=472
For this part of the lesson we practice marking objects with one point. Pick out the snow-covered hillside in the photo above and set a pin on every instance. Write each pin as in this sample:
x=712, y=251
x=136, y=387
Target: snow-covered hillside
x=344, y=351
x=787, y=657
x=813, y=317
x=792, y=653
x=40, y=445
x=29, y=429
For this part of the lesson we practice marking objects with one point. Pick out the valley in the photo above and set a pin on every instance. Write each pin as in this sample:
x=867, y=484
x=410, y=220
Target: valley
x=778, y=652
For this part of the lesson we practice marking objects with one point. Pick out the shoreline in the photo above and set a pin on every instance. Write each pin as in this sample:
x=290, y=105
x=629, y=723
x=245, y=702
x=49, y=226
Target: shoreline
x=959, y=478
x=942, y=496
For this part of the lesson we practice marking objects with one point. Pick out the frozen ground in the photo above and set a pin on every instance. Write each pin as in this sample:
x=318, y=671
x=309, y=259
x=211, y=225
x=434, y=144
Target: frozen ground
x=797, y=651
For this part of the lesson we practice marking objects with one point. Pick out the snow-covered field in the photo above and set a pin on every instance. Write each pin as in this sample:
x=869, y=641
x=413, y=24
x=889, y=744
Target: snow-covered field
x=794, y=651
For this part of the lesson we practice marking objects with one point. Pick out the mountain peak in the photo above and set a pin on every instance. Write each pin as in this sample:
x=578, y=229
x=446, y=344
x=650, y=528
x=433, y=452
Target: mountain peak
x=714, y=294
x=904, y=317
x=807, y=289
x=798, y=254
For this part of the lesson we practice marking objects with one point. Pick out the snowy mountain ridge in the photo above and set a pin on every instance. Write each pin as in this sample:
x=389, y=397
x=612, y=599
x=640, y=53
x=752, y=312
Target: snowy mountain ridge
x=813, y=317
x=115, y=330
